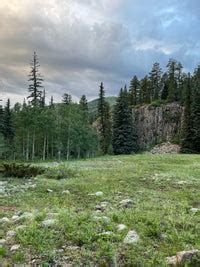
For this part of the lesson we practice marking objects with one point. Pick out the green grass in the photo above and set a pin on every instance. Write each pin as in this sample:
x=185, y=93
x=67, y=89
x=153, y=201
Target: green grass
x=164, y=188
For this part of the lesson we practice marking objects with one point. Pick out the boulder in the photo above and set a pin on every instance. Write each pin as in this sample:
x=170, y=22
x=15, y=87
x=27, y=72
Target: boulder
x=15, y=247
x=126, y=203
x=131, y=238
x=181, y=257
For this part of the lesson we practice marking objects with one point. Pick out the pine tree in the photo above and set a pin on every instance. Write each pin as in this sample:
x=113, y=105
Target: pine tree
x=155, y=80
x=195, y=111
x=145, y=90
x=67, y=99
x=43, y=99
x=124, y=139
x=134, y=91
x=164, y=92
x=187, y=131
x=35, y=82
x=51, y=104
x=105, y=121
x=83, y=103
x=8, y=127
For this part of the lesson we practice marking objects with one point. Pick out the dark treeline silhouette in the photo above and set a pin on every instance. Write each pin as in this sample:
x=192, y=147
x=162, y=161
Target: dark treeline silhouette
x=37, y=130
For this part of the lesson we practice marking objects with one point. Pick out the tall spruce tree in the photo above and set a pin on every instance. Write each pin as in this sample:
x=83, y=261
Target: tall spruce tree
x=83, y=103
x=124, y=138
x=35, y=82
x=155, y=81
x=134, y=91
x=67, y=99
x=8, y=126
x=105, y=121
x=187, y=128
x=195, y=111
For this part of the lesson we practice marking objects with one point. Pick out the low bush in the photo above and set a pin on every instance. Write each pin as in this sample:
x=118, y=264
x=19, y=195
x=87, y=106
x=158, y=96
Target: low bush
x=60, y=172
x=21, y=170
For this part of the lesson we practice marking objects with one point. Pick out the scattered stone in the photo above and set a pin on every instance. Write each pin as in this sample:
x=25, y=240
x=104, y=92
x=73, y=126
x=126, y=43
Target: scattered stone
x=108, y=233
x=181, y=257
x=48, y=222
x=98, y=194
x=2, y=242
x=11, y=234
x=73, y=247
x=121, y=227
x=15, y=247
x=60, y=250
x=2, y=190
x=101, y=219
x=102, y=206
x=26, y=216
x=132, y=237
x=194, y=210
x=20, y=227
x=49, y=191
x=163, y=236
x=66, y=192
x=3, y=183
x=15, y=217
x=182, y=182
x=4, y=220
x=126, y=203
x=166, y=148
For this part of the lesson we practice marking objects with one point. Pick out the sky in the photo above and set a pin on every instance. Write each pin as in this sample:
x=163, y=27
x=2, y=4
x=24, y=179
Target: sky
x=83, y=42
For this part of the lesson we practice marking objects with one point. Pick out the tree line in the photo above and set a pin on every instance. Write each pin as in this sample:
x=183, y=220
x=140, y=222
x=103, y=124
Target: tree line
x=37, y=130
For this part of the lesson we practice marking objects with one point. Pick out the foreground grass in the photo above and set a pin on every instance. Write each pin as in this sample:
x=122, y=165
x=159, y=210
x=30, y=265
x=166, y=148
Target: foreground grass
x=163, y=188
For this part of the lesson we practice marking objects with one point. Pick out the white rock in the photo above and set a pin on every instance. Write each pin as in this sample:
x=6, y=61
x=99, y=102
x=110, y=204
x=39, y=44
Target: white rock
x=3, y=183
x=194, y=210
x=2, y=190
x=4, y=220
x=132, y=237
x=181, y=257
x=15, y=247
x=66, y=192
x=108, y=233
x=98, y=194
x=101, y=219
x=121, y=227
x=2, y=242
x=48, y=222
x=49, y=191
x=26, y=216
x=20, y=227
x=126, y=203
x=11, y=234
x=15, y=217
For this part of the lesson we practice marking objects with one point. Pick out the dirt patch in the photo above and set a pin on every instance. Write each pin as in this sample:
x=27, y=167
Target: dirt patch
x=8, y=208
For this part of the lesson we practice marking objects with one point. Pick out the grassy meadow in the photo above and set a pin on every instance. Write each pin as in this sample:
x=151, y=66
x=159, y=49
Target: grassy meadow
x=65, y=222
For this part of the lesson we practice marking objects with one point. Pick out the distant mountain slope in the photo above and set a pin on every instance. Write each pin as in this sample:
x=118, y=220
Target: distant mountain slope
x=93, y=105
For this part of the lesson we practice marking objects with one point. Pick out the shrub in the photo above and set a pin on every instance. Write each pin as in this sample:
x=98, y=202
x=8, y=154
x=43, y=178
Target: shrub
x=60, y=172
x=156, y=103
x=21, y=170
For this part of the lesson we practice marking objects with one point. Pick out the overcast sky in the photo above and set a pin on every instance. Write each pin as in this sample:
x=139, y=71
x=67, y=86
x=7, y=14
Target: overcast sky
x=83, y=42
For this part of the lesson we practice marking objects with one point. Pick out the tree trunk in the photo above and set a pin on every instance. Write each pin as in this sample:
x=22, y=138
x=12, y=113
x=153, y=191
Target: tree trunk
x=52, y=148
x=47, y=147
x=33, y=146
x=27, y=146
x=44, y=147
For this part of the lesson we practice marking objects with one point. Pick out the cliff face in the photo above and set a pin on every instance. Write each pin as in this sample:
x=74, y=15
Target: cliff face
x=157, y=124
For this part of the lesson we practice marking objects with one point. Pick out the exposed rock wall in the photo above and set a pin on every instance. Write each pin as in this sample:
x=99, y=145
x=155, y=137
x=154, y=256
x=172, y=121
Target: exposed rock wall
x=158, y=124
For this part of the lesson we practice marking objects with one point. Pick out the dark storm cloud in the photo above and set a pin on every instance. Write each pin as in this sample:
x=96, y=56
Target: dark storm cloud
x=81, y=43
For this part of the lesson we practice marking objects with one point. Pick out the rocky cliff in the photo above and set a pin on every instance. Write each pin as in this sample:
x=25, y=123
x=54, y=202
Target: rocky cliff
x=158, y=124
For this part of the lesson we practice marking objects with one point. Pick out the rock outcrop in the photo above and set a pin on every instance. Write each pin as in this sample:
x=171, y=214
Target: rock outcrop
x=158, y=124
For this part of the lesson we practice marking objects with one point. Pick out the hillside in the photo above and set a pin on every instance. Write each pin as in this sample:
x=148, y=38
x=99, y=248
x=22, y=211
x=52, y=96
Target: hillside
x=116, y=211
x=93, y=105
